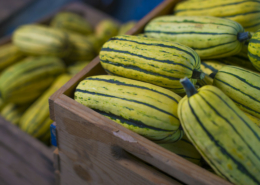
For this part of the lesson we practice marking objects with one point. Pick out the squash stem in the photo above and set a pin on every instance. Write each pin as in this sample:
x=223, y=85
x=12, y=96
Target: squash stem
x=242, y=37
x=212, y=75
x=188, y=86
x=197, y=74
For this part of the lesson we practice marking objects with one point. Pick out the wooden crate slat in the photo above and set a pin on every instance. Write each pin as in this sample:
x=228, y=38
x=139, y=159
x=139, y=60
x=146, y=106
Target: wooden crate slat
x=104, y=162
x=23, y=159
x=115, y=134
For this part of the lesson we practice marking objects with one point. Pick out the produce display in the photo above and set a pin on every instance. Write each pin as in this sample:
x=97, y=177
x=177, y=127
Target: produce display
x=210, y=37
x=25, y=81
x=242, y=11
x=203, y=51
x=36, y=120
x=245, y=93
x=221, y=132
x=72, y=22
x=189, y=83
x=185, y=149
x=42, y=58
x=142, y=107
x=150, y=60
x=253, y=50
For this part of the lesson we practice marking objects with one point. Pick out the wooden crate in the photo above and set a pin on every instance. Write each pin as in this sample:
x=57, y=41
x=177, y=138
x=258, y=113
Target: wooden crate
x=96, y=150
x=36, y=166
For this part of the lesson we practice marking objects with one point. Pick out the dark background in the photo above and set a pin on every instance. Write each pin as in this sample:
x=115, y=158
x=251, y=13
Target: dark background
x=18, y=12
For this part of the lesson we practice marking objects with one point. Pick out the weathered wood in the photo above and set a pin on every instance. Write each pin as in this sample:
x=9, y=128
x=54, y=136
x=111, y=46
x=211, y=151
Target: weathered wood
x=56, y=164
x=79, y=124
x=24, y=160
x=97, y=159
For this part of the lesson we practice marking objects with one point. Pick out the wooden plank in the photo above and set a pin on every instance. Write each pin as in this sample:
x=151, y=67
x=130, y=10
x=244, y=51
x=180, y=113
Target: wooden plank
x=56, y=158
x=24, y=160
x=92, y=161
x=75, y=120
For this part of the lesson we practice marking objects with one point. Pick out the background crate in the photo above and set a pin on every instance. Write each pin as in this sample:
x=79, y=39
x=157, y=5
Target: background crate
x=95, y=150
x=24, y=159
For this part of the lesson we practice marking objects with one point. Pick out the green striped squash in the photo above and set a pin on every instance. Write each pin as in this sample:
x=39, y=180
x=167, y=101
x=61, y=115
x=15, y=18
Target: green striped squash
x=226, y=138
x=253, y=119
x=96, y=42
x=207, y=80
x=36, y=121
x=146, y=109
x=2, y=104
x=211, y=67
x=210, y=37
x=77, y=67
x=241, y=59
x=150, y=60
x=41, y=40
x=254, y=50
x=106, y=29
x=245, y=12
x=82, y=48
x=9, y=54
x=185, y=149
x=73, y=22
x=126, y=27
x=13, y=113
x=242, y=86
x=25, y=81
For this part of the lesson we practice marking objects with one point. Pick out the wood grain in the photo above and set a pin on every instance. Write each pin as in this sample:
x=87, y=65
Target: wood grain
x=96, y=158
x=24, y=160
x=82, y=122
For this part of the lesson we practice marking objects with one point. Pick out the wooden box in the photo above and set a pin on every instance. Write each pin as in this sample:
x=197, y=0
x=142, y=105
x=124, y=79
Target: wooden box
x=96, y=150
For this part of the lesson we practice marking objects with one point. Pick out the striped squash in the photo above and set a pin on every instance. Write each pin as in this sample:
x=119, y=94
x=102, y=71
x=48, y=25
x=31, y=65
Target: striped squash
x=126, y=27
x=81, y=48
x=226, y=138
x=211, y=67
x=146, y=109
x=241, y=59
x=253, y=50
x=96, y=42
x=41, y=40
x=73, y=22
x=185, y=149
x=36, y=121
x=150, y=60
x=77, y=67
x=13, y=113
x=242, y=86
x=210, y=37
x=9, y=54
x=24, y=82
x=106, y=29
x=245, y=12
x=253, y=119
x=2, y=104
x=207, y=80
